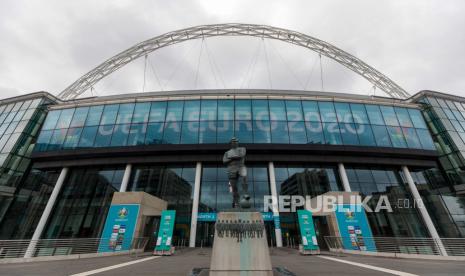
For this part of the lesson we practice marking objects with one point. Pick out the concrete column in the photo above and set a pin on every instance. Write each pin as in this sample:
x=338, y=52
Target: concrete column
x=424, y=213
x=344, y=178
x=274, y=194
x=195, y=204
x=44, y=218
x=126, y=176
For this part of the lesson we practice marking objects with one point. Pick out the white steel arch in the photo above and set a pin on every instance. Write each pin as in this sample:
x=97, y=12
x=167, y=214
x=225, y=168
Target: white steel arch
x=233, y=29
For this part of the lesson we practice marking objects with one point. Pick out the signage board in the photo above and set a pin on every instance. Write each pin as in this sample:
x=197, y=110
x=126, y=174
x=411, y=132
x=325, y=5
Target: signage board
x=119, y=228
x=165, y=232
x=307, y=230
x=354, y=228
x=267, y=216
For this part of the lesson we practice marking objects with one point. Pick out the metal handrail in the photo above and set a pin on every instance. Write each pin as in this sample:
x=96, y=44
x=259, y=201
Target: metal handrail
x=400, y=245
x=55, y=247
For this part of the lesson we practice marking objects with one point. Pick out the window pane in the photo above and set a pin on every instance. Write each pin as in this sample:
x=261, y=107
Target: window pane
x=243, y=109
x=404, y=118
x=314, y=133
x=397, y=137
x=243, y=131
x=154, y=133
x=103, y=137
x=411, y=138
x=359, y=113
x=279, y=132
x=207, y=132
x=374, y=114
x=174, y=111
x=417, y=118
x=208, y=110
x=43, y=140
x=190, y=133
x=389, y=115
x=311, y=112
x=109, y=114
x=294, y=111
x=225, y=131
x=125, y=113
x=349, y=134
x=260, y=110
x=120, y=135
x=158, y=111
x=344, y=115
x=65, y=118
x=277, y=110
x=381, y=136
x=19, y=115
x=425, y=139
x=225, y=110
x=79, y=117
x=191, y=110
x=88, y=136
x=297, y=133
x=332, y=134
x=365, y=135
x=141, y=113
x=57, y=139
x=327, y=112
x=95, y=113
x=137, y=133
x=172, y=132
x=261, y=132
x=72, y=138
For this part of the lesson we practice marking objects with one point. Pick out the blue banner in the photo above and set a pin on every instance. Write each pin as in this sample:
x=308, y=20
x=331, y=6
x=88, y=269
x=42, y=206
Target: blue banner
x=307, y=230
x=119, y=227
x=354, y=228
x=165, y=232
x=267, y=216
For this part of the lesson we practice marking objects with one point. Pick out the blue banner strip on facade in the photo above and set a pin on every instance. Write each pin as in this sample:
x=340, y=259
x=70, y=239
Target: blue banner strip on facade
x=119, y=228
x=354, y=228
x=267, y=216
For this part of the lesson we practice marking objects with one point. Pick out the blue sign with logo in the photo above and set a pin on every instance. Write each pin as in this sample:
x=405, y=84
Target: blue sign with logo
x=119, y=228
x=354, y=228
x=165, y=234
x=307, y=230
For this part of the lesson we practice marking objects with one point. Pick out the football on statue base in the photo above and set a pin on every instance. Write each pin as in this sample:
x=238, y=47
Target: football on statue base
x=245, y=202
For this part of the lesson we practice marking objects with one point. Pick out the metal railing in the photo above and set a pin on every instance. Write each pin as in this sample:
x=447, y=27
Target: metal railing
x=398, y=245
x=55, y=247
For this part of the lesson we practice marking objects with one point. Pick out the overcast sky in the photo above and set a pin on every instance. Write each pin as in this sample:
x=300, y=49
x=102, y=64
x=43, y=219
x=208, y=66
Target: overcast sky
x=47, y=45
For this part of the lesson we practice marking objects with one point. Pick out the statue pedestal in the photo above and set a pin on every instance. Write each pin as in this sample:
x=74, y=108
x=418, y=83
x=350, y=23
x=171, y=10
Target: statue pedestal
x=249, y=255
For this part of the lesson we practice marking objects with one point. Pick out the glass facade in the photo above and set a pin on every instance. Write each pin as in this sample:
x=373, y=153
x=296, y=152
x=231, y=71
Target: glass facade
x=214, y=189
x=19, y=214
x=305, y=180
x=210, y=121
x=83, y=202
x=82, y=205
x=446, y=209
x=445, y=117
x=20, y=122
x=174, y=184
x=446, y=120
x=404, y=221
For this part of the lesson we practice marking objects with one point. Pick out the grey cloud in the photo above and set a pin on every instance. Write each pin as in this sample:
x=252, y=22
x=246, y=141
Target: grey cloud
x=46, y=45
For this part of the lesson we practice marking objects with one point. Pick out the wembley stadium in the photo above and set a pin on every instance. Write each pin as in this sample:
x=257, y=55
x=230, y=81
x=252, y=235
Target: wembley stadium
x=65, y=157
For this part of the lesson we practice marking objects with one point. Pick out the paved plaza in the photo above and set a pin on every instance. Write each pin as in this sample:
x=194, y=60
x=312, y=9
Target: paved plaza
x=183, y=262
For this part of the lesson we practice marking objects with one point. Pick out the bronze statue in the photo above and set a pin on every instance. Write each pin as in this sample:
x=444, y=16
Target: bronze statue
x=234, y=160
